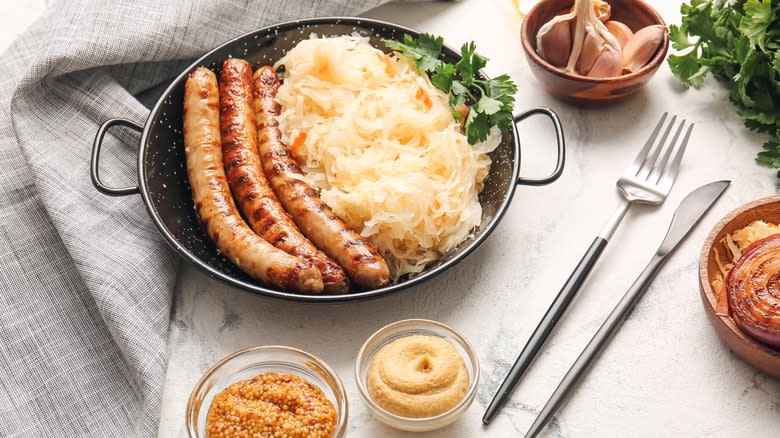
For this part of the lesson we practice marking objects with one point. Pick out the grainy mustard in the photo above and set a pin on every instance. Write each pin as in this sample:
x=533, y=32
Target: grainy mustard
x=271, y=405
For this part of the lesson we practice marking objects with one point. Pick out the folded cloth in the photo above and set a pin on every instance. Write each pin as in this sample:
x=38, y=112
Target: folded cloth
x=85, y=279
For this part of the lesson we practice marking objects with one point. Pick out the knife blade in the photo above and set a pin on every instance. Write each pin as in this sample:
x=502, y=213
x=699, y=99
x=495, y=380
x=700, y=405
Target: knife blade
x=688, y=214
x=690, y=211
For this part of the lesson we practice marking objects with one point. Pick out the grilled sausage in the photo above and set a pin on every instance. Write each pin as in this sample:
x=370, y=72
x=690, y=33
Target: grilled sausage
x=363, y=264
x=257, y=200
x=215, y=206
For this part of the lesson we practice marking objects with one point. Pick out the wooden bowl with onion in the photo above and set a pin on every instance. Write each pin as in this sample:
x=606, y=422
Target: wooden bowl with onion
x=761, y=356
x=579, y=89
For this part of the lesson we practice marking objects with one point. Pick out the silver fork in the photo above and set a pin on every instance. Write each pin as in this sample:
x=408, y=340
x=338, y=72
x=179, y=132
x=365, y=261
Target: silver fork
x=647, y=180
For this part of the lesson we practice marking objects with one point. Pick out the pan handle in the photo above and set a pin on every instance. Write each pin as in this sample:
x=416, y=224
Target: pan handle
x=94, y=163
x=559, y=139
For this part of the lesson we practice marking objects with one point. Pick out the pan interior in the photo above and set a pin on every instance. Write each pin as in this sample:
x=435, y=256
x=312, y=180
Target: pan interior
x=164, y=175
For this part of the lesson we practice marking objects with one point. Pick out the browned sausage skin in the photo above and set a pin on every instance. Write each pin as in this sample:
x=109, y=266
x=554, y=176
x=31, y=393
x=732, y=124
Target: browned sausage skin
x=215, y=206
x=257, y=200
x=363, y=264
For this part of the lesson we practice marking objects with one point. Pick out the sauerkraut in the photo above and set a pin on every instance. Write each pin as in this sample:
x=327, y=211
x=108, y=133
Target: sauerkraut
x=380, y=142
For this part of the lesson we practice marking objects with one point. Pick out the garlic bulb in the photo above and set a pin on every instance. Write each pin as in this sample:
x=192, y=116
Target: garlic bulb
x=587, y=42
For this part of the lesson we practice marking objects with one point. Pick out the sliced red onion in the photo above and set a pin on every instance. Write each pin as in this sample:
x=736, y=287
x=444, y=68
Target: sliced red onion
x=754, y=291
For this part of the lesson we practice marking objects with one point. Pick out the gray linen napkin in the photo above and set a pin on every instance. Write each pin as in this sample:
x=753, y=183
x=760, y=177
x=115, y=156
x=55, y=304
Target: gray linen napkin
x=85, y=279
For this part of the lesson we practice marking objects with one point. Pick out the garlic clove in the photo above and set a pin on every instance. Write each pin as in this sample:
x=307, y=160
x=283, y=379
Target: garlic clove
x=554, y=45
x=622, y=32
x=608, y=64
x=642, y=46
x=591, y=49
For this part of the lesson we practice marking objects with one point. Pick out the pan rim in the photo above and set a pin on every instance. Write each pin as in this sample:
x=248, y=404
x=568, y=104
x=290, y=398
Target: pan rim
x=257, y=289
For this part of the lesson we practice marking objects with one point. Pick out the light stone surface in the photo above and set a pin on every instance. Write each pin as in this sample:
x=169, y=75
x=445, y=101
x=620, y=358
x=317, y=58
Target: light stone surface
x=665, y=374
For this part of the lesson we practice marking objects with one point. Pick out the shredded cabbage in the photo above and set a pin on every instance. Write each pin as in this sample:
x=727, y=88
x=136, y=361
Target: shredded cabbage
x=380, y=142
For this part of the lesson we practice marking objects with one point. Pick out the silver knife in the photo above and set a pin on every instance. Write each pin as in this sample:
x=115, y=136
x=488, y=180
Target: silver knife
x=688, y=214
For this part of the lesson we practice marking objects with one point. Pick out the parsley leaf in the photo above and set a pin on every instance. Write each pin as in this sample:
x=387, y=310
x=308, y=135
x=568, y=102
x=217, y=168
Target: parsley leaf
x=470, y=63
x=503, y=89
x=490, y=102
x=424, y=50
x=488, y=105
x=758, y=16
x=503, y=120
x=477, y=126
x=687, y=70
x=459, y=89
x=443, y=76
x=678, y=37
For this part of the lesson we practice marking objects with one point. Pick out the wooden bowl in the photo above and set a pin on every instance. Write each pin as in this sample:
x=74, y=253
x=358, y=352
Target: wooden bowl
x=751, y=351
x=575, y=88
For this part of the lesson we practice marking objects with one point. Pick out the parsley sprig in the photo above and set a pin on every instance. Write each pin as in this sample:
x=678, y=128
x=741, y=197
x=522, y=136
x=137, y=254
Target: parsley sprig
x=738, y=42
x=489, y=102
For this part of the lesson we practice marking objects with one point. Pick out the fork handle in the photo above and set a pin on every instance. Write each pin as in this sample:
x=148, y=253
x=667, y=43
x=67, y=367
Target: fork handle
x=554, y=313
x=545, y=327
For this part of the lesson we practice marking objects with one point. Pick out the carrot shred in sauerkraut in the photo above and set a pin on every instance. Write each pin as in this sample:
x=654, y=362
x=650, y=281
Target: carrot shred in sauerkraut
x=383, y=147
x=296, y=146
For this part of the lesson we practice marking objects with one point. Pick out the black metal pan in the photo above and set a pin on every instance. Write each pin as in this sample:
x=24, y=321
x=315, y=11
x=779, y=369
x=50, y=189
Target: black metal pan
x=163, y=185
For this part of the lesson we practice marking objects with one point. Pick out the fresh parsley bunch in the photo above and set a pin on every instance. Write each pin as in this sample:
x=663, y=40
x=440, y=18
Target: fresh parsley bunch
x=489, y=102
x=738, y=44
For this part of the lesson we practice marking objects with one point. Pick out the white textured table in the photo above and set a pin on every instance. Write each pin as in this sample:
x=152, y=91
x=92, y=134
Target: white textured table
x=665, y=374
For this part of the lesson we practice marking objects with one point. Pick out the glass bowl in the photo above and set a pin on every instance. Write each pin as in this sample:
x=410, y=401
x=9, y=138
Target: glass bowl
x=247, y=363
x=409, y=327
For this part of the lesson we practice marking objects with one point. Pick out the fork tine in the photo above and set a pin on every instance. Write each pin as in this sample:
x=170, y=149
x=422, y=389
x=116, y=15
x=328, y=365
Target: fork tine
x=668, y=177
x=647, y=166
x=660, y=165
x=642, y=155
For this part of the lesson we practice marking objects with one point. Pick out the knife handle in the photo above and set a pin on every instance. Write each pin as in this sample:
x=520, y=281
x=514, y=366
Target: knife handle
x=597, y=343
